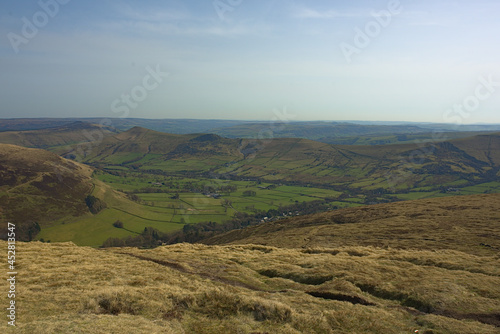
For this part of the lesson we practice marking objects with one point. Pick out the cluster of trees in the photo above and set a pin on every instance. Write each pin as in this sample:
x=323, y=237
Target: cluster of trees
x=203, y=188
x=94, y=204
x=149, y=238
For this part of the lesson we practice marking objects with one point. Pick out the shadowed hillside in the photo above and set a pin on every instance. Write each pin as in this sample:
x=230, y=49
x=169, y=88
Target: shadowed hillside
x=36, y=185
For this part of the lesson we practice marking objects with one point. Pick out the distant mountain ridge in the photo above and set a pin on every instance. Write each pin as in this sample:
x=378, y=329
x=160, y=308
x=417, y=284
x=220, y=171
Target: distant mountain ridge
x=241, y=128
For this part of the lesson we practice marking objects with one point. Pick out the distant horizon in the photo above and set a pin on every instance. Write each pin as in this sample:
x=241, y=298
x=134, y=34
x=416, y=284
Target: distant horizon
x=248, y=120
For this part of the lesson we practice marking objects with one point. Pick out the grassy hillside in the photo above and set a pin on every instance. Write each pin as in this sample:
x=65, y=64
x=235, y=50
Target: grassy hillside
x=143, y=147
x=300, y=159
x=36, y=185
x=94, y=229
x=183, y=179
x=67, y=134
x=63, y=288
x=470, y=224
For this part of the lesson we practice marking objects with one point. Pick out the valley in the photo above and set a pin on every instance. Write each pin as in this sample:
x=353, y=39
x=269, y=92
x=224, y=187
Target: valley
x=199, y=233
x=150, y=179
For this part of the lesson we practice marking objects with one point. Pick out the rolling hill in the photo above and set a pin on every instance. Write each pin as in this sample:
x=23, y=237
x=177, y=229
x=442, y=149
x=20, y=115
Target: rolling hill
x=402, y=167
x=145, y=141
x=61, y=135
x=154, y=167
x=180, y=126
x=143, y=147
x=36, y=185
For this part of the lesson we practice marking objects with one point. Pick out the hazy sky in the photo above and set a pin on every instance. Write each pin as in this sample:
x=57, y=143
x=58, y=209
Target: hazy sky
x=436, y=61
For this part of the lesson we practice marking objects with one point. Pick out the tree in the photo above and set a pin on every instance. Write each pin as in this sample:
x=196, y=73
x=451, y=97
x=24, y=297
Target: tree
x=118, y=224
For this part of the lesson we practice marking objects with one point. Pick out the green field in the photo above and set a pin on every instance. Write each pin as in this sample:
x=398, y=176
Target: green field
x=158, y=206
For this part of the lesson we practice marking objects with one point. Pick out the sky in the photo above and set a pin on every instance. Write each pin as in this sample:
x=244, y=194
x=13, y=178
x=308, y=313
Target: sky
x=407, y=60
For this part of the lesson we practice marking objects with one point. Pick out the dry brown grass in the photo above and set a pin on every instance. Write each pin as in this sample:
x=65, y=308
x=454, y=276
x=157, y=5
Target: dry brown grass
x=470, y=224
x=186, y=288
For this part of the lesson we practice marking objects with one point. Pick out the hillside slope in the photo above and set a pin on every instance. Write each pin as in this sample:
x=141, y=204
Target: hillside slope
x=67, y=134
x=138, y=144
x=470, y=224
x=253, y=289
x=404, y=165
x=39, y=189
x=36, y=185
